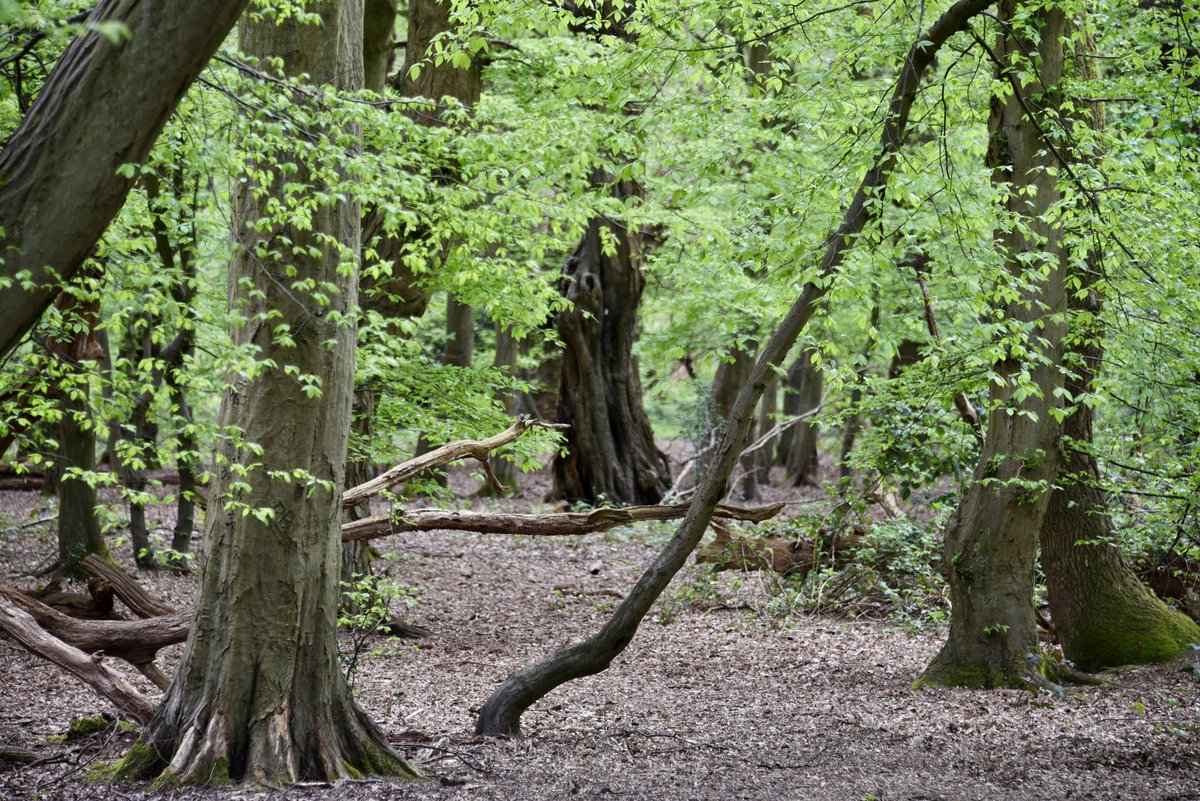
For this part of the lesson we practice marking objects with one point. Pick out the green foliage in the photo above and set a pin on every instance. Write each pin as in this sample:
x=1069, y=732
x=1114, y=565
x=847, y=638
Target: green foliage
x=367, y=604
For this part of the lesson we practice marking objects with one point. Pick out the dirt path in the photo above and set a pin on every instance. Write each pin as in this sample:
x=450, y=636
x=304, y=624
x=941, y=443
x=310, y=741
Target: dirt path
x=720, y=704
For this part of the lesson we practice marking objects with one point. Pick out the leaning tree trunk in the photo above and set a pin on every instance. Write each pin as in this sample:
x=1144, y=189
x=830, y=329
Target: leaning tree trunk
x=259, y=694
x=102, y=107
x=610, y=450
x=501, y=714
x=992, y=539
x=1103, y=613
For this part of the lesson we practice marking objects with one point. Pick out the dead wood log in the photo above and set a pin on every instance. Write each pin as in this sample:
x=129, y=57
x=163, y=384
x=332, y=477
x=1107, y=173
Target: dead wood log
x=783, y=555
x=90, y=669
x=140, y=602
x=452, y=451
x=559, y=524
x=97, y=604
x=135, y=641
x=21, y=756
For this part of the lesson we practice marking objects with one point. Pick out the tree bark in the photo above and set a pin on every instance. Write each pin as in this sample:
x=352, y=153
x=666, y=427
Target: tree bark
x=501, y=714
x=103, y=106
x=259, y=694
x=505, y=359
x=992, y=539
x=610, y=450
x=1103, y=613
x=805, y=386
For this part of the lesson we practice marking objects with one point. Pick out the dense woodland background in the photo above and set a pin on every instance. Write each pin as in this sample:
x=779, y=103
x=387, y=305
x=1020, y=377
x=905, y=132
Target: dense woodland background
x=893, y=302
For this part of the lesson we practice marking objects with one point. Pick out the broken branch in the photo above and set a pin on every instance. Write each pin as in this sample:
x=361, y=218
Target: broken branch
x=557, y=524
x=450, y=452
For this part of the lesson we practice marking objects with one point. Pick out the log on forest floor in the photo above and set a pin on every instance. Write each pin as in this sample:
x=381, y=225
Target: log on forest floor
x=556, y=524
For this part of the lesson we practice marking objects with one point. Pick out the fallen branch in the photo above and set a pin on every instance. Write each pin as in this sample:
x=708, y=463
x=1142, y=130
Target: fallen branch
x=140, y=602
x=559, y=524
x=90, y=669
x=135, y=641
x=450, y=452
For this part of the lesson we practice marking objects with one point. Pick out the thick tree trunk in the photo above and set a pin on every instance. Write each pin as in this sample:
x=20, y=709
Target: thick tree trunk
x=729, y=379
x=610, y=449
x=501, y=714
x=102, y=107
x=1103, y=613
x=992, y=539
x=259, y=694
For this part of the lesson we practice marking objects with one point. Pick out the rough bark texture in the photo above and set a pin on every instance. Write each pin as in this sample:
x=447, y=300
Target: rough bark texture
x=610, y=449
x=992, y=539
x=259, y=694
x=1103, y=613
x=501, y=714
x=103, y=106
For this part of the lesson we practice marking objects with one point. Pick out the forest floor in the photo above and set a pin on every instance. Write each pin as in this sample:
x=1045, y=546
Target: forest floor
x=720, y=696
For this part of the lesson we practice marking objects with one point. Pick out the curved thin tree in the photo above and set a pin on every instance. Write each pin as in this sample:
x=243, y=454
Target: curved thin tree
x=501, y=714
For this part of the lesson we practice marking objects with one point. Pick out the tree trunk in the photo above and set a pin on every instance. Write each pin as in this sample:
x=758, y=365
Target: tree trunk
x=1103, y=613
x=78, y=528
x=805, y=384
x=259, y=694
x=992, y=539
x=730, y=377
x=610, y=450
x=102, y=107
x=505, y=359
x=501, y=714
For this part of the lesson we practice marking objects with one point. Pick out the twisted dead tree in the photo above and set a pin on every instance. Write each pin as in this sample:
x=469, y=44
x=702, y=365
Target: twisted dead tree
x=501, y=714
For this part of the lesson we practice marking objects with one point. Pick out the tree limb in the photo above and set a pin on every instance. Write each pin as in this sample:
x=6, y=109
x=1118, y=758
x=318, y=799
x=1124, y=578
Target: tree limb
x=90, y=669
x=452, y=451
x=561, y=524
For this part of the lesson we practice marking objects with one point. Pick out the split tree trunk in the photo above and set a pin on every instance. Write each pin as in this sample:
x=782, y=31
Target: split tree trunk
x=501, y=714
x=1103, y=613
x=610, y=449
x=259, y=694
x=992, y=539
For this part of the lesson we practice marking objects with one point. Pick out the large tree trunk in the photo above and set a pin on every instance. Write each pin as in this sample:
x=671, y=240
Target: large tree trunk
x=1103, y=613
x=728, y=380
x=102, y=107
x=992, y=539
x=501, y=714
x=259, y=694
x=610, y=450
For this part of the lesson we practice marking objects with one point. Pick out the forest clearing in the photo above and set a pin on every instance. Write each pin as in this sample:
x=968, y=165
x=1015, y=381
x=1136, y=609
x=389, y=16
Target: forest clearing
x=766, y=399
x=725, y=699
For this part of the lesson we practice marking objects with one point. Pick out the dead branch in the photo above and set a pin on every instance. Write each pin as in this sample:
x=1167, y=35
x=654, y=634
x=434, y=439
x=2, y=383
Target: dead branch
x=140, y=602
x=90, y=669
x=450, y=452
x=135, y=641
x=559, y=524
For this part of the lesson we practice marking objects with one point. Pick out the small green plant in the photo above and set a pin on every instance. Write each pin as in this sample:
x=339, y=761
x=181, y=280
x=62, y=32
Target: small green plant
x=366, y=610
